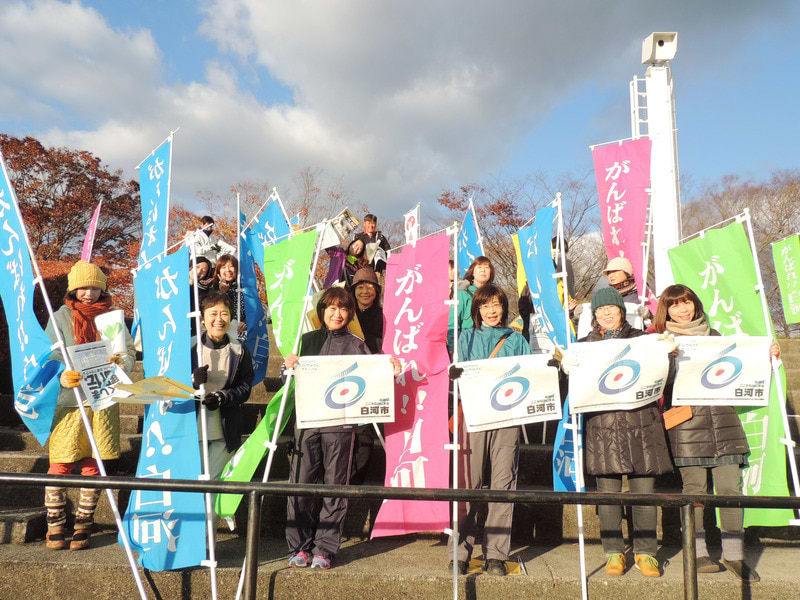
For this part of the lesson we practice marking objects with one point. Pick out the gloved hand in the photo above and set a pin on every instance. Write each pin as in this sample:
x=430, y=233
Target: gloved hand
x=668, y=341
x=199, y=376
x=116, y=359
x=454, y=372
x=568, y=361
x=213, y=400
x=70, y=379
x=643, y=311
x=578, y=310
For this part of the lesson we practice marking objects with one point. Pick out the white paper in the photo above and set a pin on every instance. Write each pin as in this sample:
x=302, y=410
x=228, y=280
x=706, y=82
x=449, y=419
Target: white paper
x=509, y=391
x=98, y=376
x=344, y=390
x=722, y=371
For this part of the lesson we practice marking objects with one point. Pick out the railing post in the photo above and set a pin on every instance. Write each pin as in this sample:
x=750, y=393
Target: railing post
x=689, y=552
x=253, y=534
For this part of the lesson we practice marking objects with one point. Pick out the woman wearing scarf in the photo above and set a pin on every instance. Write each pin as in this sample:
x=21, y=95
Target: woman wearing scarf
x=711, y=441
x=69, y=444
x=226, y=276
x=367, y=292
x=623, y=442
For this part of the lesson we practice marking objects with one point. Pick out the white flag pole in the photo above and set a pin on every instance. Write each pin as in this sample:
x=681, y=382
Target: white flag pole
x=272, y=445
x=577, y=448
x=454, y=446
x=62, y=347
x=240, y=295
x=787, y=437
x=206, y=475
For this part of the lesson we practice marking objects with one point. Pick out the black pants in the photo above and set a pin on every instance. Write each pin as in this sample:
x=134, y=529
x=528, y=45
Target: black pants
x=321, y=455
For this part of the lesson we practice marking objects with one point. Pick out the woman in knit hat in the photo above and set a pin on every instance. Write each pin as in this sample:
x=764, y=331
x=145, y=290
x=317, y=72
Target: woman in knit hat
x=86, y=298
x=623, y=442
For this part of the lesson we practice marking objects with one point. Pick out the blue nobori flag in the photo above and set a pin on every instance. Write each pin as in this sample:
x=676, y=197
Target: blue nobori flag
x=154, y=182
x=36, y=383
x=564, y=463
x=470, y=243
x=257, y=333
x=266, y=229
x=167, y=529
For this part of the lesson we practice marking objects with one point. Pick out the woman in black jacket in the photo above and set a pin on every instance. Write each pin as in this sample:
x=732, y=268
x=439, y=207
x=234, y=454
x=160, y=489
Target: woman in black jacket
x=227, y=372
x=367, y=292
x=712, y=440
x=624, y=442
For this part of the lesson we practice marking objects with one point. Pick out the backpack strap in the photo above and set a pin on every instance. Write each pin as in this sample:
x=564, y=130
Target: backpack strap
x=499, y=345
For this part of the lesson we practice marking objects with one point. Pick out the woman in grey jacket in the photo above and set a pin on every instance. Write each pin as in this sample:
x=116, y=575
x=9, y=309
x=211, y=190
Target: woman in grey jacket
x=712, y=440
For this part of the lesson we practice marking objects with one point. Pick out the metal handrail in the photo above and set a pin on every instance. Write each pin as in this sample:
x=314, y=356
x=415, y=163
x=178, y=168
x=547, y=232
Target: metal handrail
x=255, y=490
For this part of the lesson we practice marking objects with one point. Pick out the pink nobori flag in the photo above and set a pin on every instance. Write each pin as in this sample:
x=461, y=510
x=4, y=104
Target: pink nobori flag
x=88, y=242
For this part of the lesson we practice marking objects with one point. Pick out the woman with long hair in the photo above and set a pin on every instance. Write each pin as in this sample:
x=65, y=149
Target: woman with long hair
x=479, y=273
x=226, y=280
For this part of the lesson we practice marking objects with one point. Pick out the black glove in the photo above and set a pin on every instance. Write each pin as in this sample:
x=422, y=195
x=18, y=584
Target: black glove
x=455, y=372
x=199, y=376
x=213, y=400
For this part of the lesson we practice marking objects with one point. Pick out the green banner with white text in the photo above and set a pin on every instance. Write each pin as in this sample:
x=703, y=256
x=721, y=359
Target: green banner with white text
x=786, y=254
x=720, y=268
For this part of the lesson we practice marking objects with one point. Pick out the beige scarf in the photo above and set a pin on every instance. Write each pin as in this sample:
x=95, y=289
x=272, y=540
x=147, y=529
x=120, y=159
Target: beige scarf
x=697, y=327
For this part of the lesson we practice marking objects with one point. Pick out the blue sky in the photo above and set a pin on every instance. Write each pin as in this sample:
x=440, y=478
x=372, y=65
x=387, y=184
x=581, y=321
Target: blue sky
x=396, y=101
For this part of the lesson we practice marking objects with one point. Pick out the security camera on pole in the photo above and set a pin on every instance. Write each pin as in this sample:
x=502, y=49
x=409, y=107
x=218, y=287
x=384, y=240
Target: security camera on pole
x=656, y=119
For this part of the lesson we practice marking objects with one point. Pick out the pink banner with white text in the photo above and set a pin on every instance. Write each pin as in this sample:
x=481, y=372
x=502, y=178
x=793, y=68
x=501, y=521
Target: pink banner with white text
x=415, y=326
x=88, y=242
x=622, y=171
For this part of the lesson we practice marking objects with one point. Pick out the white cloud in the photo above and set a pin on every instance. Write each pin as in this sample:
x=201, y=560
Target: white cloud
x=403, y=99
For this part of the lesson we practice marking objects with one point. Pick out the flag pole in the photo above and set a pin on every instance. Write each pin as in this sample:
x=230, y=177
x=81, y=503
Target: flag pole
x=39, y=280
x=272, y=445
x=206, y=475
x=240, y=298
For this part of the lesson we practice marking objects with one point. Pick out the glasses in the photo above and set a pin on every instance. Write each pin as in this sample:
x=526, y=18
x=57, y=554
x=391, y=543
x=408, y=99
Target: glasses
x=607, y=309
x=493, y=306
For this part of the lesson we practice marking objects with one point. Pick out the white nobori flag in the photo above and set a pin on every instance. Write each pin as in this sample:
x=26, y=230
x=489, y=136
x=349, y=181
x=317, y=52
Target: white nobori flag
x=411, y=225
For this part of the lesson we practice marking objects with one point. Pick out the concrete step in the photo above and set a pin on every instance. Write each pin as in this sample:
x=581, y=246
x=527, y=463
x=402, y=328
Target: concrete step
x=21, y=525
x=407, y=567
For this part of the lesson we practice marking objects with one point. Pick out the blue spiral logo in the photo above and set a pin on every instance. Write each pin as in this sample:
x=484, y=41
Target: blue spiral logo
x=621, y=376
x=721, y=371
x=345, y=391
x=510, y=392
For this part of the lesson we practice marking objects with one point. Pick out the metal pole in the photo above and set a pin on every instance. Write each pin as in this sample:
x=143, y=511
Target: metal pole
x=454, y=446
x=251, y=555
x=240, y=298
x=273, y=443
x=212, y=539
x=171, y=139
x=39, y=280
x=689, y=552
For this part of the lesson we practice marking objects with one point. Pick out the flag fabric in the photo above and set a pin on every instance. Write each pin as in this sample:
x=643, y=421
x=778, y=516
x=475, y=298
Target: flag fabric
x=257, y=332
x=415, y=312
x=720, y=268
x=266, y=229
x=337, y=258
x=287, y=268
x=88, y=242
x=35, y=377
x=411, y=225
x=470, y=243
x=622, y=172
x=786, y=255
x=154, y=182
x=167, y=529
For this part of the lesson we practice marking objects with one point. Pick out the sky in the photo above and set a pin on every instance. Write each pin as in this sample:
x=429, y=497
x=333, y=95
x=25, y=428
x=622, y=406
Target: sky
x=399, y=100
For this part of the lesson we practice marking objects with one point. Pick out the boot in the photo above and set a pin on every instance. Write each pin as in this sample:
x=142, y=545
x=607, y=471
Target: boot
x=55, y=501
x=84, y=518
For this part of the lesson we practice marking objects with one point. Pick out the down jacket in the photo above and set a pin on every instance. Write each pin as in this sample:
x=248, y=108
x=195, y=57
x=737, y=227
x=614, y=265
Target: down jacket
x=713, y=431
x=625, y=442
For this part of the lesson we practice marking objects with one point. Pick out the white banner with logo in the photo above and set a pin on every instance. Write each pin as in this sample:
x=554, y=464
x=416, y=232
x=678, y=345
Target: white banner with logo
x=617, y=374
x=344, y=390
x=411, y=225
x=509, y=391
x=722, y=371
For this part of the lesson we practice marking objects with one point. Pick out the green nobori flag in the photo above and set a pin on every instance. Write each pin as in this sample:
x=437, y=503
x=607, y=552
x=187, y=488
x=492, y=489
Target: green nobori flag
x=247, y=458
x=287, y=267
x=719, y=267
x=786, y=254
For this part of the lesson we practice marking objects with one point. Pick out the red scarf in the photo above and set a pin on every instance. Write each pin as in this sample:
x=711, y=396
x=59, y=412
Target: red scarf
x=83, y=318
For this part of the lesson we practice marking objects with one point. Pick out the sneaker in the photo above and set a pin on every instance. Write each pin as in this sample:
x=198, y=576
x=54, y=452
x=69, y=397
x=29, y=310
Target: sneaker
x=741, y=570
x=298, y=560
x=320, y=562
x=706, y=565
x=647, y=564
x=615, y=565
x=495, y=567
x=463, y=567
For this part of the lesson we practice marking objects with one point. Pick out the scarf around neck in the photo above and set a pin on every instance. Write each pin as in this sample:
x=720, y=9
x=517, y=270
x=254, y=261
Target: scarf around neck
x=625, y=287
x=83, y=318
x=697, y=327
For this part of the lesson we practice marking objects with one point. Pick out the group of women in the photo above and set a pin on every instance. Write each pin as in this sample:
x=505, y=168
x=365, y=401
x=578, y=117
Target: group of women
x=632, y=443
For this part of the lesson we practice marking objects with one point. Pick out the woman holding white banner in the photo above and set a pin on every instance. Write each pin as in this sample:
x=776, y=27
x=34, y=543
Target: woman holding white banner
x=69, y=445
x=489, y=338
x=479, y=273
x=623, y=442
x=706, y=439
x=322, y=454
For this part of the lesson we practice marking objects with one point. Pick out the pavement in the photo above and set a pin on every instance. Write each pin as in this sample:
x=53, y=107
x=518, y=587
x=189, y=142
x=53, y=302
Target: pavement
x=413, y=566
